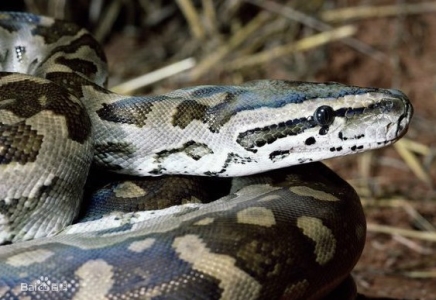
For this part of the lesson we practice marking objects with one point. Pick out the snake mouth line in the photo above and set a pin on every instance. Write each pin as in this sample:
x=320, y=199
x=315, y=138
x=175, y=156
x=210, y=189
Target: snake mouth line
x=405, y=118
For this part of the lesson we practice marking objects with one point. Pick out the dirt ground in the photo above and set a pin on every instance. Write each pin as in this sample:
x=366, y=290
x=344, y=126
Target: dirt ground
x=144, y=36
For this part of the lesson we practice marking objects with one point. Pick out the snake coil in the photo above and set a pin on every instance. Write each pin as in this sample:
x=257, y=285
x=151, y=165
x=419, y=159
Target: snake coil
x=276, y=224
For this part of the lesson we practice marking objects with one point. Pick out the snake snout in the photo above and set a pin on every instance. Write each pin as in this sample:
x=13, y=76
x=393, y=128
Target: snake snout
x=405, y=109
x=405, y=103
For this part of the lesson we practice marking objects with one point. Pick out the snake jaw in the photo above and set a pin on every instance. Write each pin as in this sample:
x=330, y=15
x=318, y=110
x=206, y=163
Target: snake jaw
x=406, y=117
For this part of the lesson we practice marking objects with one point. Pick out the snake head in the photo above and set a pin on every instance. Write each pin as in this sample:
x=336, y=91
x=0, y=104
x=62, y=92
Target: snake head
x=285, y=123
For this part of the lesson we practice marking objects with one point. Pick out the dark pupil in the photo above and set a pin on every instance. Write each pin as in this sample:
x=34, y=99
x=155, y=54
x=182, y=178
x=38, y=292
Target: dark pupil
x=324, y=115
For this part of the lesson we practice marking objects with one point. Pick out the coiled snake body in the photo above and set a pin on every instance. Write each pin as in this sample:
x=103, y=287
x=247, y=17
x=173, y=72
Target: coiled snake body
x=294, y=232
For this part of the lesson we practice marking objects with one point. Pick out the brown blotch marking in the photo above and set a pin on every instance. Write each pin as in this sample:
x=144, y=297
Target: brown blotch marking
x=188, y=111
x=297, y=290
x=255, y=253
x=107, y=151
x=259, y=137
x=218, y=115
x=159, y=193
x=85, y=67
x=237, y=159
x=223, y=112
x=52, y=34
x=126, y=112
x=192, y=249
x=86, y=40
x=74, y=83
x=27, y=102
x=192, y=149
x=59, y=29
x=21, y=209
x=197, y=150
x=232, y=158
x=279, y=155
x=19, y=143
x=264, y=258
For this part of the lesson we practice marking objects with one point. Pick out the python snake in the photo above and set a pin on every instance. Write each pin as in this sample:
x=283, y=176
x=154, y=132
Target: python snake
x=278, y=224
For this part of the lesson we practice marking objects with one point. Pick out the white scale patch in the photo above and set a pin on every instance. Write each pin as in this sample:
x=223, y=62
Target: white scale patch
x=309, y=192
x=30, y=257
x=235, y=283
x=269, y=198
x=205, y=221
x=139, y=246
x=260, y=216
x=5, y=230
x=129, y=190
x=162, y=218
x=325, y=242
x=253, y=190
x=95, y=278
x=43, y=100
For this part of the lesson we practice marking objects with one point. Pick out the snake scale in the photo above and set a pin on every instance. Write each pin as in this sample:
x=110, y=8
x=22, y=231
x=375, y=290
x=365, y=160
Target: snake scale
x=258, y=217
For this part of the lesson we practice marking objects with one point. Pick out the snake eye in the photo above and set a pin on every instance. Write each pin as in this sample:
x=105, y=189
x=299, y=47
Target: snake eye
x=324, y=115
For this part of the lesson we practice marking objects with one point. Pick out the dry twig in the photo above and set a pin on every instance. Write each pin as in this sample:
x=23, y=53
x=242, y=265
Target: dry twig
x=312, y=22
x=295, y=46
x=193, y=18
x=422, y=235
x=365, y=12
x=130, y=86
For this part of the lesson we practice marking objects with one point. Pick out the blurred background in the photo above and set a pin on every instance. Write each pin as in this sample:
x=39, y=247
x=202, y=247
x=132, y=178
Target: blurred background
x=389, y=44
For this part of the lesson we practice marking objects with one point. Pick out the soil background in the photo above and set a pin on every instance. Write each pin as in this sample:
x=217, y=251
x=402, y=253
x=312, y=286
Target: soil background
x=233, y=41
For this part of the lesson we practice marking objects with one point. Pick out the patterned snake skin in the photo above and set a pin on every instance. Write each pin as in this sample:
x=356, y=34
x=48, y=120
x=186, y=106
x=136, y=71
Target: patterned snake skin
x=292, y=229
